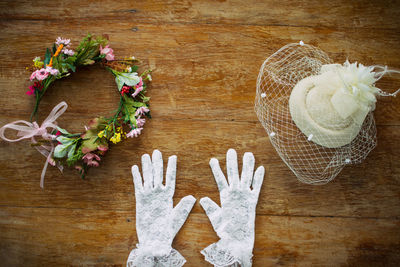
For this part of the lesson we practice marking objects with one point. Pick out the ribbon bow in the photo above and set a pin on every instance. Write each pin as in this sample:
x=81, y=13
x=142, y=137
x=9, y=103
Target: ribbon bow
x=31, y=129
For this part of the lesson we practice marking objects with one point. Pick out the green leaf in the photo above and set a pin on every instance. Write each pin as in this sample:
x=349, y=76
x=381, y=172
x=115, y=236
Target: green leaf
x=129, y=79
x=70, y=60
x=138, y=104
x=56, y=63
x=47, y=57
x=88, y=61
x=54, y=48
x=72, y=67
x=132, y=119
x=146, y=99
x=60, y=151
x=129, y=110
x=71, y=150
x=119, y=83
x=135, y=68
x=63, y=131
x=64, y=140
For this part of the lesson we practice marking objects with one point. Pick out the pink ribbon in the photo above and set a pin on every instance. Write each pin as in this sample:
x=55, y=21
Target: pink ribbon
x=31, y=129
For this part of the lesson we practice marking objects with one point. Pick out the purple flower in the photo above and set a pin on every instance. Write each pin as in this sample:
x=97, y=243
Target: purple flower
x=68, y=52
x=52, y=71
x=141, y=111
x=134, y=133
x=65, y=42
x=137, y=91
x=140, y=122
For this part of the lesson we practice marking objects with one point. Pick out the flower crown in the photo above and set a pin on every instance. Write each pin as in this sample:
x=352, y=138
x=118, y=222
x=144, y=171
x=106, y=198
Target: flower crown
x=83, y=150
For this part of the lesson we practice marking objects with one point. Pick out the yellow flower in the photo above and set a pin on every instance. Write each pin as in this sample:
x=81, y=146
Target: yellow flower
x=116, y=138
x=101, y=134
x=38, y=63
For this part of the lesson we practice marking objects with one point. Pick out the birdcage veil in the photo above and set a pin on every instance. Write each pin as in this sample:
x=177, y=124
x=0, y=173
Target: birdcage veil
x=309, y=161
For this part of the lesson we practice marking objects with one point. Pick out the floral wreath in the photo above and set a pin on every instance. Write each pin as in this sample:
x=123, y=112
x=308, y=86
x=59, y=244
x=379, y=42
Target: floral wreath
x=83, y=150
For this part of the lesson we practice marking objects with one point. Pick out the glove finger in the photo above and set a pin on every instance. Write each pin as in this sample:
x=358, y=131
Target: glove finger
x=247, y=170
x=212, y=210
x=258, y=180
x=147, y=170
x=137, y=179
x=171, y=173
x=157, y=168
x=181, y=212
x=218, y=174
x=232, y=168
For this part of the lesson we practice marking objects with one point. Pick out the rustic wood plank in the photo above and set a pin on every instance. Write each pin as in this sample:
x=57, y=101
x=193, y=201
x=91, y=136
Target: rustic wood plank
x=201, y=71
x=360, y=14
x=366, y=190
x=206, y=56
x=48, y=236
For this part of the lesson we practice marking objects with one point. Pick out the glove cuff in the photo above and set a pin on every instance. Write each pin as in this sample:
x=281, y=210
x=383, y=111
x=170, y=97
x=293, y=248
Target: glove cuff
x=145, y=258
x=221, y=256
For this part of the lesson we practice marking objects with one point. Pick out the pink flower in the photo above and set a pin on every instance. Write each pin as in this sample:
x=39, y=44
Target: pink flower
x=140, y=84
x=33, y=75
x=90, y=156
x=140, y=122
x=31, y=90
x=68, y=52
x=35, y=86
x=90, y=159
x=141, y=111
x=79, y=168
x=109, y=52
x=102, y=148
x=139, y=88
x=134, y=133
x=39, y=74
x=137, y=91
x=65, y=42
x=52, y=71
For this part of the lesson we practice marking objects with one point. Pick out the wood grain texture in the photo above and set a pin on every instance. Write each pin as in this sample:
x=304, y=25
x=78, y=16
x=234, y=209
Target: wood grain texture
x=206, y=56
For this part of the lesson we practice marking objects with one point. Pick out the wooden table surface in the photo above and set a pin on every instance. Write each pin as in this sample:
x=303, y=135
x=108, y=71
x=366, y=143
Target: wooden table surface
x=206, y=56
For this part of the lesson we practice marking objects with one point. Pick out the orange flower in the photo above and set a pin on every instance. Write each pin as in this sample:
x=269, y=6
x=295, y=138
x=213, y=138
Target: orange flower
x=60, y=47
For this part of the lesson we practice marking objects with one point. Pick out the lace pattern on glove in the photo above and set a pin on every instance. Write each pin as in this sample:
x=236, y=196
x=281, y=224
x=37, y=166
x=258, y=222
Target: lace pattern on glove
x=139, y=259
x=157, y=221
x=220, y=257
x=234, y=220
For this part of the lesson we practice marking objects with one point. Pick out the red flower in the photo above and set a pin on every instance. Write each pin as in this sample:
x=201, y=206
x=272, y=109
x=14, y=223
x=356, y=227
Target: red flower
x=125, y=90
x=35, y=86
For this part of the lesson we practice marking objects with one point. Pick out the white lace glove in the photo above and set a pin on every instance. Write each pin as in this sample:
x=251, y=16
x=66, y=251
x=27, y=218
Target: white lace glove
x=234, y=220
x=157, y=222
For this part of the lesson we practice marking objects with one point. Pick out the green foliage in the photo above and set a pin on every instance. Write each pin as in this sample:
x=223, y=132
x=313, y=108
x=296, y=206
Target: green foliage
x=67, y=146
x=88, y=49
x=130, y=79
x=47, y=57
x=129, y=110
x=91, y=140
x=77, y=156
x=146, y=99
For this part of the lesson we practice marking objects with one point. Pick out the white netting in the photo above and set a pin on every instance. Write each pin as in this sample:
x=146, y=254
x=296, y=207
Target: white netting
x=310, y=162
